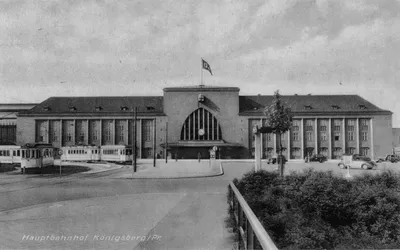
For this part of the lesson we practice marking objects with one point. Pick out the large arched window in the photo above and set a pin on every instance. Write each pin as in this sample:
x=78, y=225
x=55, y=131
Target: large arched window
x=201, y=125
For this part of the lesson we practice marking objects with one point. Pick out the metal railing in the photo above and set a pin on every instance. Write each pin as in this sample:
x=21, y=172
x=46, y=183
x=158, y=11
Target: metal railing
x=251, y=233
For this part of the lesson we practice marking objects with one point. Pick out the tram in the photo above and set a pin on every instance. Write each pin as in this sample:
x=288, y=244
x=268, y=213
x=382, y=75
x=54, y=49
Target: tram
x=116, y=153
x=37, y=156
x=10, y=154
x=81, y=153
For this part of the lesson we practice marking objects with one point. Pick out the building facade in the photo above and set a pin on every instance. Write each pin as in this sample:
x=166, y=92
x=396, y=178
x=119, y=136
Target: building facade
x=191, y=120
x=8, y=121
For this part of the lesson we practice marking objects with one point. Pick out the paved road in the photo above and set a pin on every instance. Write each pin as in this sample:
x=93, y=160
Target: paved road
x=100, y=212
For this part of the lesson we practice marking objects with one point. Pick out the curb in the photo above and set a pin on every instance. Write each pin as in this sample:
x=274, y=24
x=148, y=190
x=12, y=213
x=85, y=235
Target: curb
x=221, y=172
x=101, y=171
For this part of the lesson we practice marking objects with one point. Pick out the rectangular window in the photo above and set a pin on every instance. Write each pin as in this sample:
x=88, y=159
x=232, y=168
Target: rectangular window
x=70, y=127
x=324, y=151
x=309, y=136
x=269, y=137
x=337, y=123
x=108, y=135
x=41, y=131
x=323, y=136
x=147, y=130
x=364, y=122
x=365, y=128
x=82, y=136
x=95, y=135
x=350, y=128
x=351, y=122
x=296, y=153
x=364, y=136
x=323, y=128
x=365, y=151
x=121, y=132
x=295, y=128
x=295, y=136
x=336, y=128
x=337, y=137
x=337, y=152
x=351, y=150
x=55, y=136
x=309, y=128
x=350, y=136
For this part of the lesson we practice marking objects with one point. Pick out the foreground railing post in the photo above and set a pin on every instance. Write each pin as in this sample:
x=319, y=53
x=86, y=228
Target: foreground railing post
x=249, y=227
x=250, y=236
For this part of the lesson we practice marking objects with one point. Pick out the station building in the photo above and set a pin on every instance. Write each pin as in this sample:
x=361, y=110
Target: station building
x=192, y=120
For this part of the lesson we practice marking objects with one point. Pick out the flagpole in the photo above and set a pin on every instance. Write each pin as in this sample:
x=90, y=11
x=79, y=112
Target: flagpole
x=201, y=69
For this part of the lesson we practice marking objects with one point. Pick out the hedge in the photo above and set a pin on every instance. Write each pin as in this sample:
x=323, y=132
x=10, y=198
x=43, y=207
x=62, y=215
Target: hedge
x=320, y=210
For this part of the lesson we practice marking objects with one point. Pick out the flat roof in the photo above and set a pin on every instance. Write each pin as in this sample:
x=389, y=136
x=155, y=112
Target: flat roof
x=202, y=88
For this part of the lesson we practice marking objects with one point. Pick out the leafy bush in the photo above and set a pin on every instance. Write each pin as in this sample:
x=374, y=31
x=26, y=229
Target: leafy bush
x=321, y=210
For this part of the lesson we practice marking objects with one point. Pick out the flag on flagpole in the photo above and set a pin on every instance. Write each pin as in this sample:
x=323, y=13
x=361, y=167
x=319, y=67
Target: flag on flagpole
x=206, y=66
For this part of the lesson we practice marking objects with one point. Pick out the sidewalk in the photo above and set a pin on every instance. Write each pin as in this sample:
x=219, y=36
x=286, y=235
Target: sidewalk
x=175, y=169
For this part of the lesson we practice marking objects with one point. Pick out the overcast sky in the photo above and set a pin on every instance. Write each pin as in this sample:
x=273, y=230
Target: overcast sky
x=90, y=48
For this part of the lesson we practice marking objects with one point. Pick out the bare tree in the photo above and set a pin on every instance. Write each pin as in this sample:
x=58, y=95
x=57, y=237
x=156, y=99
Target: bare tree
x=279, y=118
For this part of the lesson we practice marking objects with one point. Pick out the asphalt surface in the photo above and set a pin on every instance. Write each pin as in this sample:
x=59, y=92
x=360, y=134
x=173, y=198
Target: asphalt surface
x=98, y=211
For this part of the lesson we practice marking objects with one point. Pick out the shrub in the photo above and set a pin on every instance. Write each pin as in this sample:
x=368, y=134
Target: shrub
x=322, y=210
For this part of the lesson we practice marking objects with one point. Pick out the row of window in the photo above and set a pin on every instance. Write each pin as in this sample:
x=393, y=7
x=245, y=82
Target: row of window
x=117, y=151
x=324, y=136
x=94, y=136
x=77, y=151
x=17, y=153
x=350, y=122
x=4, y=152
x=36, y=153
x=110, y=152
x=336, y=128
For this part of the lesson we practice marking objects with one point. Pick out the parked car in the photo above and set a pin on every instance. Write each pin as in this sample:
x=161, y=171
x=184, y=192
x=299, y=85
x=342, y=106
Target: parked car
x=389, y=158
x=356, y=161
x=318, y=157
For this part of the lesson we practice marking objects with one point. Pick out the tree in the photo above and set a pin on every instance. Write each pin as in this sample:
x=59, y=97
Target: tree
x=279, y=118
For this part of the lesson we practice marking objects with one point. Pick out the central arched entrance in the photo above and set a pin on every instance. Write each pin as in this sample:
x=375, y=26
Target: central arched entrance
x=200, y=132
x=201, y=125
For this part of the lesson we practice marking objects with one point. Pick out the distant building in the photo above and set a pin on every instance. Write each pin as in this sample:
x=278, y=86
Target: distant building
x=8, y=121
x=396, y=140
x=200, y=117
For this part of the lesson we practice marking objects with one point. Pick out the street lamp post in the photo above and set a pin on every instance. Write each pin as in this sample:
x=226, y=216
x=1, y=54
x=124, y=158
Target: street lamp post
x=166, y=142
x=154, y=142
x=134, y=140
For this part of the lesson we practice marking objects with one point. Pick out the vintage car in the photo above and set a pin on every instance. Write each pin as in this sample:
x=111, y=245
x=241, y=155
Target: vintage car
x=356, y=161
x=389, y=158
x=319, y=158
